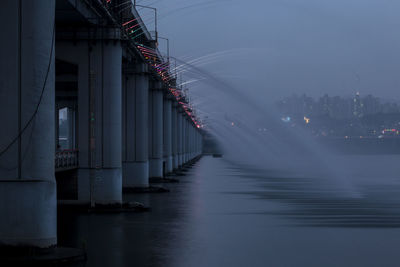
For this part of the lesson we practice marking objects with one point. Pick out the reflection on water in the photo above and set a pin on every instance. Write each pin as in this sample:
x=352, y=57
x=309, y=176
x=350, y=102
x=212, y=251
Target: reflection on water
x=310, y=203
x=224, y=214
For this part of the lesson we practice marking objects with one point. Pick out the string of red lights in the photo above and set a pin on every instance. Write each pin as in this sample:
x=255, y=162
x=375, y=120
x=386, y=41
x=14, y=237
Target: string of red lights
x=154, y=60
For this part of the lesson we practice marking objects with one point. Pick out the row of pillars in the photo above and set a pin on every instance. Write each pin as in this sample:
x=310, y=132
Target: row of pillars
x=158, y=136
x=128, y=126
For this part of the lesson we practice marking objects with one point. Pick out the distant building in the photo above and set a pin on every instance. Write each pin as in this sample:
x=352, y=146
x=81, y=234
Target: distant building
x=358, y=106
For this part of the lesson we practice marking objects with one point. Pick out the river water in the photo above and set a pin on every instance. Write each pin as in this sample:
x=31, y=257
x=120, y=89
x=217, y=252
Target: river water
x=224, y=214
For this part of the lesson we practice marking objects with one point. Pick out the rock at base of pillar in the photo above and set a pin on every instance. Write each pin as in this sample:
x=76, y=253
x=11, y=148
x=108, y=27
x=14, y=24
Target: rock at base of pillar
x=28, y=211
x=156, y=168
x=135, y=174
x=100, y=186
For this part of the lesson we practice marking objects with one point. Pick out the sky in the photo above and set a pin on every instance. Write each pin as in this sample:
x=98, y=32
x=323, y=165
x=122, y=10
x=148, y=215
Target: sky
x=274, y=48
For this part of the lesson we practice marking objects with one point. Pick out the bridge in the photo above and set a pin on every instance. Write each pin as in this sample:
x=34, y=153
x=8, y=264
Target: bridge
x=90, y=106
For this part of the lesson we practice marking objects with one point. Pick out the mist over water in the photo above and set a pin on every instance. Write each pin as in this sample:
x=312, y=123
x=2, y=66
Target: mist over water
x=321, y=187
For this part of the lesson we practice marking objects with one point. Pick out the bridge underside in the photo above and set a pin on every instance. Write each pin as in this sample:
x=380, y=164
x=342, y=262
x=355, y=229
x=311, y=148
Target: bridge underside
x=88, y=113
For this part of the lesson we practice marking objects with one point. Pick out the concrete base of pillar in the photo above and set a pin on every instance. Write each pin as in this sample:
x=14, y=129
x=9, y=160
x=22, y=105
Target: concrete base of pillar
x=135, y=174
x=100, y=186
x=180, y=160
x=28, y=211
x=168, y=165
x=175, y=162
x=156, y=168
x=108, y=187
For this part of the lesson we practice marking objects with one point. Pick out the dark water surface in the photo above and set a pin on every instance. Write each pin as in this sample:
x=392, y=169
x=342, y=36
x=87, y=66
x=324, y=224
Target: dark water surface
x=222, y=214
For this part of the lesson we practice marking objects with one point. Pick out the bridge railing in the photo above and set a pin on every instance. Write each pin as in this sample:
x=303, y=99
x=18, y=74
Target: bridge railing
x=66, y=159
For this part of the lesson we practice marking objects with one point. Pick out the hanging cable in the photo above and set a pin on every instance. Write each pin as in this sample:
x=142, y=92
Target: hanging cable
x=2, y=152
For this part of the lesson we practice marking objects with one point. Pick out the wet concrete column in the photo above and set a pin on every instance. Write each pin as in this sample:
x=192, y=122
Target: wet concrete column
x=180, y=136
x=99, y=113
x=108, y=184
x=196, y=142
x=135, y=127
x=156, y=130
x=184, y=132
x=187, y=128
x=199, y=146
x=174, y=132
x=190, y=126
x=192, y=142
x=189, y=139
x=167, y=140
x=27, y=144
x=201, y=138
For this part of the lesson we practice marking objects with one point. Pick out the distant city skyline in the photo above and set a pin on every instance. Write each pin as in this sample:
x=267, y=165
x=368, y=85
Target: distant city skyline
x=342, y=116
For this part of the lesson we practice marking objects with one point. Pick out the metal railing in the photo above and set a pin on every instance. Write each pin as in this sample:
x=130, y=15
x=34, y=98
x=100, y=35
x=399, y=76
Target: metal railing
x=66, y=159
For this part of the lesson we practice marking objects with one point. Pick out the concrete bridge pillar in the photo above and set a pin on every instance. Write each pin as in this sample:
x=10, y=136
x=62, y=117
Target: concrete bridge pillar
x=156, y=130
x=135, y=127
x=185, y=139
x=200, y=143
x=199, y=147
x=189, y=137
x=194, y=132
x=107, y=188
x=174, y=132
x=195, y=146
x=167, y=141
x=180, y=136
x=192, y=141
x=196, y=142
x=28, y=210
x=99, y=113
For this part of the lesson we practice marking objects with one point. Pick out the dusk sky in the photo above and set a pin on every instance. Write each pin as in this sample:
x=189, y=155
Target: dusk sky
x=274, y=48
